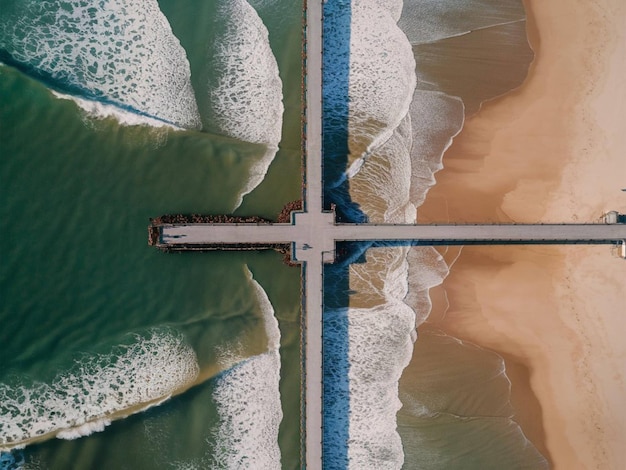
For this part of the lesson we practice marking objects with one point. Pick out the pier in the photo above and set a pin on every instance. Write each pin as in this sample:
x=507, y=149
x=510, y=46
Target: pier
x=312, y=238
x=318, y=235
x=313, y=234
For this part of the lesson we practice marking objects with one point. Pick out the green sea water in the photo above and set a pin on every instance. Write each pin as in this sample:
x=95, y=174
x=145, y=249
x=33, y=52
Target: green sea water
x=80, y=287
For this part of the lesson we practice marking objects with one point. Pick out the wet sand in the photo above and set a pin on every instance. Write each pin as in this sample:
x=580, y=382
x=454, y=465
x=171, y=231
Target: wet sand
x=551, y=151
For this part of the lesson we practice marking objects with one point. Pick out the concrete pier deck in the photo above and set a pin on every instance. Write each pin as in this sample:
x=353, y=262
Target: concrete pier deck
x=318, y=234
x=312, y=276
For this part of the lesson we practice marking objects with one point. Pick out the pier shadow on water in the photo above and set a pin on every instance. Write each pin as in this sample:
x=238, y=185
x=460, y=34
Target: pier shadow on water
x=336, y=194
x=335, y=150
x=335, y=111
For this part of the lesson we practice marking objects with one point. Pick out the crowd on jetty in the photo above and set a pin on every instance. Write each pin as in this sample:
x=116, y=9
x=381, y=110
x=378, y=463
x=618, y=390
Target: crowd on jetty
x=284, y=217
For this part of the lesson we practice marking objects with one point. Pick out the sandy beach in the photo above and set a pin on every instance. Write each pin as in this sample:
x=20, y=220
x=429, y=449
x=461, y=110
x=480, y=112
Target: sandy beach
x=551, y=151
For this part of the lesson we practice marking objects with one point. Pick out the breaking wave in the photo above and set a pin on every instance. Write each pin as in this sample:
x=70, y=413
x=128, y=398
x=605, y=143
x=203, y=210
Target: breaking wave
x=369, y=344
x=363, y=36
x=380, y=328
x=248, y=403
x=100, y=110
x=120, y=52
x=436, y=118
x=245, y=89
x=361, y=383
x=96, y=389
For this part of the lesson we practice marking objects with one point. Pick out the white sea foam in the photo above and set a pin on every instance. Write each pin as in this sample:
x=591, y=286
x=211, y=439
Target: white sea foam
x=248, y=404
x=84, y=429
x=426, y=21
x=118, y=51
x=391, y=170
x=100, y=110
x=12, y=460
x=372, y=346
x=246, y=93
x=382, y=186
x=436, y=119
x=379, y=346
x=374, y=375
x=427, y=269
x=393, y=7
x=256, y=173
x=82, y=399
x=399, y=173
x=382, y=75
x=245, y=89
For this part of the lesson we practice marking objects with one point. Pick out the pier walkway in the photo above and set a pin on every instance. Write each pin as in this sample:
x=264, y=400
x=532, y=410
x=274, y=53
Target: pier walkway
x=319, y=234
x=312, y=273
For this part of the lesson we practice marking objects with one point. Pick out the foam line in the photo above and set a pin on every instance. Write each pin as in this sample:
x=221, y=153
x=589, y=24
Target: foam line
x=122, y=52
x=248, y=403
x=382, y=75
x=84, y=398
x=436, y=118
x=100, y=110
x=426, y=21
x=389, y=128
x=245, y=89
x=370, y=346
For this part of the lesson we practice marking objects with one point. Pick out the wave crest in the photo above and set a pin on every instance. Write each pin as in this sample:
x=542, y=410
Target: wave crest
x=118, y=51
x=378, y=50
x=371, y=342
x=96, y=387
x=245, y=89
x=248, y=403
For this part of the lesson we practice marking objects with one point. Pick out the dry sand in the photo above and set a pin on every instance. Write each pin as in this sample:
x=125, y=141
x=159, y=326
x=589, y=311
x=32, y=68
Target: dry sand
x=553, y=150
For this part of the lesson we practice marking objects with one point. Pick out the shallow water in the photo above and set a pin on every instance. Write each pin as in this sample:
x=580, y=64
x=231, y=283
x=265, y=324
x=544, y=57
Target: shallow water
x=393, y=140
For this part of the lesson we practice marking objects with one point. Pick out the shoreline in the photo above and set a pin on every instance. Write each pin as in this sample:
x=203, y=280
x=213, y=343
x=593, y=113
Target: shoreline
x=548, y=151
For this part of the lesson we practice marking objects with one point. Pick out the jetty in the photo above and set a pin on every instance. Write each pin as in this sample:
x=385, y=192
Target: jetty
x=318, y=235
x=312, y=233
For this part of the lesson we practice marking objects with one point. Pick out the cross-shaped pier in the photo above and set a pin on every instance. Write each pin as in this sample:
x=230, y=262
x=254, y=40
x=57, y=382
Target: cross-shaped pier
x=313, y=234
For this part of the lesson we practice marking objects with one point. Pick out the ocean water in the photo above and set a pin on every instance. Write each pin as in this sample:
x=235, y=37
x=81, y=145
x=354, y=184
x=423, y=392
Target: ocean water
x=399, y=80
x=112, y=112
x=109, y=115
